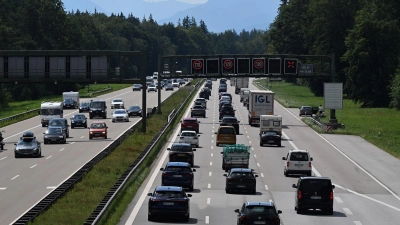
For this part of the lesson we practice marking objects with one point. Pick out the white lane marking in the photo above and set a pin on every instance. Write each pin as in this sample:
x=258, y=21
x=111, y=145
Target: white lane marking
x=367, y=197
x=82, y=136
x=14, y=177
x=258, y=164
x=252, y=148
x=246, y=131
x=339, y=200
x=347, y=211
x=3, y=157
x=210, y=174
x=212, y=154
x=61, y=149
x=212, y=135
x=357, y=223
x=72, y=143
x=207, y=220
x=249, y=142
x=212, y=141
x=208, y=201
x=270, y=200
x=261, y=174
x=266, y=187
x=209, y=186
x=51, y=187
x=3, y=188
x=255, y=156
x=248, y=136
x=33, y=166
x=49, y=157
x=210, y=163
x=290, y=142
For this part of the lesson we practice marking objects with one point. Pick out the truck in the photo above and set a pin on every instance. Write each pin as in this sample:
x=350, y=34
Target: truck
x=242, y=94
x=241, y=82
x=71, y=95
x=271, y=122
x=260, y=103
x=235, y=156
x=50, y=110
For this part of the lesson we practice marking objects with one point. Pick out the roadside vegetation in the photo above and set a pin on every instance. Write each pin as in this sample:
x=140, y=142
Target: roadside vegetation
x=77, y=204
x=379, y=126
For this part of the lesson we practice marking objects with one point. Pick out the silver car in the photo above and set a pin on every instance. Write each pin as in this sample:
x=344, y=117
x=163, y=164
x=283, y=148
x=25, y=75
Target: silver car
x=120, y=115
x=305, y=110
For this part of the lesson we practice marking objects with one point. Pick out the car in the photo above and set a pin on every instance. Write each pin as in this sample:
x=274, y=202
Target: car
x=203, y=102
x=224, y=103
x=225, y=135
x=297, y=162
x=98, y=129
x=169, y=201
x=178, y=174
x=134, y=111
x=226, y=111
x=27, y=145
x=240, y=179
x=54, y=134
x=198, y=110
x=225, y=94
x=155, y=75
x=137, y=87
x=314, y=193
x=305, y=110
x=222, y=89
x=225, y=98
x=78, y=120
x=208, y=84
x=190, y=124
x=189, y=136
x=84, y=107
x=181, y=152
x=169, y=87
x=270, y=137
x=258, y=213
x=60, y=122
x=70, y=103
x=230, y=121
x=181, y=81
x=175, y=83
x=204, y=94
x=117, y=103
x=208, y=90
x=120, y=115
x=97, y=108
x=152, y=87
x=222, y=81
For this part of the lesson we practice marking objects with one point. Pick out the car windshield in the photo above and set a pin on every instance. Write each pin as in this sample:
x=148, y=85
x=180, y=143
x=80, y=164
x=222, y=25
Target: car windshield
x=168, y=194
x=241, y=175
x=79, y=117
x=136, y=85
x=85, y=104
x=299, y=156
x=178, y=169
x=54, y=130
x=180, y=148
x=97, y=105
x=226, y=130
x=117, y=100
x=134, y=108
x=57, y=123
x=119, y=112
x=260, y=209
x=198, y=107
x=97, y=125
x=315, y=185
x=188, y=134
x=152, y=85
x=227, y=108
x=190, y=121
x=68, y=101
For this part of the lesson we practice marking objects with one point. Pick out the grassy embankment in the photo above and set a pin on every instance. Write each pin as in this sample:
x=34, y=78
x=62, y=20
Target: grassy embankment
x=77, y=205
x=379, y=126
x=23, y=106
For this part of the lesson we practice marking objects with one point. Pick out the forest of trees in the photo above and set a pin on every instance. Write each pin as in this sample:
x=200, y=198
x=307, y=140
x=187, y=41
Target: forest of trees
x=363, y=35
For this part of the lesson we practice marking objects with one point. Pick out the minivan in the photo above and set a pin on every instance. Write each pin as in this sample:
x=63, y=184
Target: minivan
x=226, y=135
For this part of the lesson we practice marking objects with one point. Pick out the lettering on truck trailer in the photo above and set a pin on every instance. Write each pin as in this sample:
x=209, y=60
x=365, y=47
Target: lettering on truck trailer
x=260, y=98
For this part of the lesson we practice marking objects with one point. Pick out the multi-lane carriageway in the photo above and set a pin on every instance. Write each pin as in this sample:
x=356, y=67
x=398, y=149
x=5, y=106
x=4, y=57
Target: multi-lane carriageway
x=367, y=180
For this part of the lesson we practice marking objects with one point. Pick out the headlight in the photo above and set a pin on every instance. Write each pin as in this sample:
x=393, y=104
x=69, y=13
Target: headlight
x=104, y=132
x=91, y=111
x=91, y=132
x=61, y=136
x=72, y=121
x=102, y=111
x=35, y=149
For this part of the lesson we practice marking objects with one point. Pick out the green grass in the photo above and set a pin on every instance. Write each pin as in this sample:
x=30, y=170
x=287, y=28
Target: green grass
x=23, y=106
x=77, y=204
x=379, y=126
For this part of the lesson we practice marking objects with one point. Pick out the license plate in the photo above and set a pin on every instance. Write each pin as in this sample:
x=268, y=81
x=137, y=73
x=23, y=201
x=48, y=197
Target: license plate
x=298, y=165
x=229, y=124
x=270, y=141
x=97, y=134
x=181, y=154
x=78, y=124
x=315, y=197
x=189, y=126
x=168, y=203
x=177, y=175
x=241, y=186
x=260, y=222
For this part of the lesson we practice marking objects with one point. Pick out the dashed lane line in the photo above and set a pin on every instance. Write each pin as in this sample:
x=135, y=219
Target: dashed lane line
x=347, y=211
x=14, y=177
x=33, y=166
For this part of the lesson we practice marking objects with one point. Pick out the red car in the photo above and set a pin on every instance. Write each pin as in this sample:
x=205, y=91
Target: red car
x=190, y=124
x=98, y=129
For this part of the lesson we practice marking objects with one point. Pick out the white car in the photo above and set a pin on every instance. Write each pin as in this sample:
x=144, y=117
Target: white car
x=189, y=136
x=120, y=115
x=117, y=103
x=175, y=83
x=297, y=162
x=152, y=87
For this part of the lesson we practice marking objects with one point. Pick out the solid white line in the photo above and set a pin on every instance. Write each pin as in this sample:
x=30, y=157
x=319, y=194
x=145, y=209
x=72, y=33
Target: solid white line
x=207, y=220
x=3, y=157
x=339, y=200
x=210, y=163
x=61, y=149
x=33, y=166
x=208, y=201
x=347, y=211
x=258, y=164
x=266, y=187
x=261, y=174
x=14, y=177
x=72, y=142
x=209, y=186
x=82, y=136
x=210, y=174
x=3, y=188
x=357, y=223
x=49, y=157
x=51, y=187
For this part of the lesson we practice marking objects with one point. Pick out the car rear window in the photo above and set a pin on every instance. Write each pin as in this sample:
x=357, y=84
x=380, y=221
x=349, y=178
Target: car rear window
x=260, y=209
x=190, y=121
x=169, y=194
x=180, y=148
x=229, y=120
x=188, y=134
x=226, y=130
x=241, y=174
x=299, y=156
x=178, y=169
x=315, y=185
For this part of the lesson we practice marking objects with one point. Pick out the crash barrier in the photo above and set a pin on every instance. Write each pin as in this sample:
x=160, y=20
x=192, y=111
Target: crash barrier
x=170, y=115
x=58, y=192
x=317, y=122
x=100, y=91
x=20, y=115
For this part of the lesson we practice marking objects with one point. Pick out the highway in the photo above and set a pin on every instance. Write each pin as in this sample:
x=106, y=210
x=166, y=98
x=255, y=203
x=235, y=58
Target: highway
x=366, y=178
x=25, y=181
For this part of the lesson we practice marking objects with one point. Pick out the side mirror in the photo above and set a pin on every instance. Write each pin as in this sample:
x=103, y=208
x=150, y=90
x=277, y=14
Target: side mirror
x=279, y=211
x=161, y=169
x=238, y=121
x=189, y=195
x=194, y=149
x=15, y=144
x=236, y=210
x=194, y=170
x=198, y=135
x=106, y=127
x=149, y=194
x=311, y=159
x=168, y=149
x=333, y=186
x=222, y=152
x=283, y=158
x=215, y=132
x=294, y=186
x=44, y=132
x=255, y=175
x=225, y=175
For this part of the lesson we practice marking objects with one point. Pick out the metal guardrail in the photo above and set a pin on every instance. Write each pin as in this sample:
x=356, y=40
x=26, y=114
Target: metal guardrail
x=100, y=91
x=20, y=115
x=170, y=115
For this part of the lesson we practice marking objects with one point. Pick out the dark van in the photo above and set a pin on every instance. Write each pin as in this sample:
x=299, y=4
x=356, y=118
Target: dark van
x=98, y=108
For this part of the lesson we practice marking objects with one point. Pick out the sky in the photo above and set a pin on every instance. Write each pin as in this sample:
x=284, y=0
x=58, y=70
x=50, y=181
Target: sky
x=187, y=1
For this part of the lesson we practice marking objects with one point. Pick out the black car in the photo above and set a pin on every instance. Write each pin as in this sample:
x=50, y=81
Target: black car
x=181, y=81
x=169, y=87
x=222, y=81
x=54, y=135
x=137, y=87
x=84, y=107
x=181, y=152
x=270, y=137
x=208, y=90
x=60, y=122
x=224, y=103
x=70, y=103
x=134, y=111
x=208, y=84
x=198, y=110
x=230, y=121
x=240, y=179
x=258, y=213
x=205, y=94
x=178, y=174
x=226, y=111
x=222, y=89
x=169, y=201
x=314, y=193
x=28, y=145
x=98, y=108
x=78, y=120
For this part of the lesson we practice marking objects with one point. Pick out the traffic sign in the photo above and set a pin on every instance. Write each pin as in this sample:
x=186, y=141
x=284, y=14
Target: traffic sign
x=228, y=66
x=274, y=66
x=290, y=66
x=306, y=69
x=258, y=65
x=212, y=66
x=243, y=66
x=197, y=66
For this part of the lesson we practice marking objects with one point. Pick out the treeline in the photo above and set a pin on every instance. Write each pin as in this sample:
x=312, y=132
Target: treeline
x=44, y=25
x=363, y=35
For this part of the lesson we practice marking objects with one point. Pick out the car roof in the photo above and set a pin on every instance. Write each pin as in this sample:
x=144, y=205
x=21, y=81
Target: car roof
x=248, y=203
x=98, y=101
x=117, y=99
x=79, y=114
x=225, y=127
x=298, y=150
x=98, y=121
x=188, y=131
x=178, y=164
x=168, y=188
x=181, y=144
x=58, y=119
x=241, y=170
x=314, y=178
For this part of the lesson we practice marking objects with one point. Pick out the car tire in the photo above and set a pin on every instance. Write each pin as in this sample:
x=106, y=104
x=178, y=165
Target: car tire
x=186, y=219
x=227, y=191
x=2, y=147
x=16, y=155
x=90, y=137
x=309, y=174
x=80, y=111
x=149, y=217
x=191, y=187
x=105, y=137
x=43, y=125
x=261, y=145
x=298, y=211
x=65, y=141
x=40, y=154
x=72, y=127
x=254, y=191
x=285, y=173
x=280, y=144
x=68, y=134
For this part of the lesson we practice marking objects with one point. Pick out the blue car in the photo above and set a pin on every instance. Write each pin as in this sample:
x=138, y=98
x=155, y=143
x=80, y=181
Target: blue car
x=178, y=174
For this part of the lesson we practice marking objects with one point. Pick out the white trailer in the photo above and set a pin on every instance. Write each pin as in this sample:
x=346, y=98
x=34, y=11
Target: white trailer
x=71, y=95
x=50, y=110
x=260, y=103
x=241, y=82
x=271, y=122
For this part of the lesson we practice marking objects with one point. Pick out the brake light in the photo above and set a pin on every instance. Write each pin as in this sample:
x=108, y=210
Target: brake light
x=244, y=218
x=331, y=196
x=190, y=153
x=165, y=174
x=299, y=195
x=309, y=165
x=187, y=175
